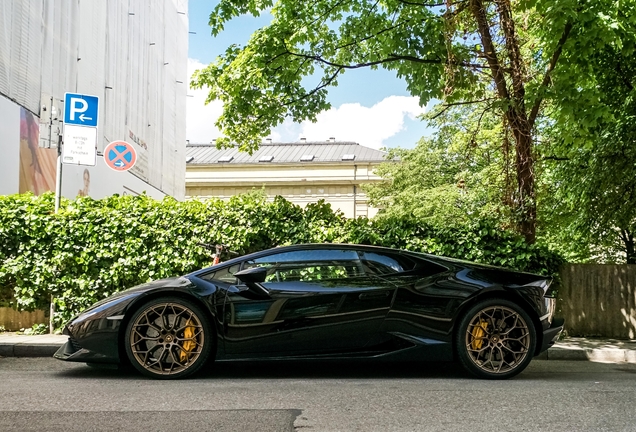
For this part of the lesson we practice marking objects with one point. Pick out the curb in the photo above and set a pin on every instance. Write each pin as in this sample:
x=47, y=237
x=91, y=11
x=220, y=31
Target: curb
x=28, y=350
x=570, y=353
x=605, y=355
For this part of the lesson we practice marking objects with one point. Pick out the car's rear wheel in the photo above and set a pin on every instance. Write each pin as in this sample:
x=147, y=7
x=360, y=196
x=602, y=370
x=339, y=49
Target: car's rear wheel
x=496, y=339
x=169, y=338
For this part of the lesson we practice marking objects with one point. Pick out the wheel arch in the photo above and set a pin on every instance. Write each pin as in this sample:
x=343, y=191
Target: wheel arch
x=143, y=299
x=502, y=293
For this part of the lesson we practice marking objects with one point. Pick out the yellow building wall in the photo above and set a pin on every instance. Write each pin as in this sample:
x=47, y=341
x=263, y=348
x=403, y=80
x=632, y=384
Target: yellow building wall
x=337, y=184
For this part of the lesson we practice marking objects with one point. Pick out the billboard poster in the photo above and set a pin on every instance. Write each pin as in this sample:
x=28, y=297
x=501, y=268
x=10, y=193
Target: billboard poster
x=9, y=146
x=100, y=181
x=37, y=164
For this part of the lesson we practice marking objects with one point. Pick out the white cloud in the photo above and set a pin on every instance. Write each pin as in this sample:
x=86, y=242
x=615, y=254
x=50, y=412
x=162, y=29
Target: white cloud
x=201, y=117
x=349, y=122
x=366, y=126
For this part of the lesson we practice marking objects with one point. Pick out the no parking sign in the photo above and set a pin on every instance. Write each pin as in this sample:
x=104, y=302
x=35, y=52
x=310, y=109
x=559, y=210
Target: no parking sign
x=120, y=155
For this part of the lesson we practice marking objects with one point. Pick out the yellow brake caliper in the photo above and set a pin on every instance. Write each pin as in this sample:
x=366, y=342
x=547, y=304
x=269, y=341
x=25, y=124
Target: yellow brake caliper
x=478, y=333
x=189, y=344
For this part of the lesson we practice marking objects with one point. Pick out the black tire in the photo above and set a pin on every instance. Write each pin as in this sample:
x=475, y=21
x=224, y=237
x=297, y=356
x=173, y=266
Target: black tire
x=169, y=338
x=495, y=339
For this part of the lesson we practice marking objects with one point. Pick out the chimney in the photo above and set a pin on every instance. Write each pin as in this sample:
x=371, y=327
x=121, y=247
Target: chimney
x=303, y=140
x=269, y=140
x=332, y=139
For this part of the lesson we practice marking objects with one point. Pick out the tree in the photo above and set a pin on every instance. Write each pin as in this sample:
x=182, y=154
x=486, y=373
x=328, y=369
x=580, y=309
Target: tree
x=595, y=182
x=452, y=179
x=498, y=54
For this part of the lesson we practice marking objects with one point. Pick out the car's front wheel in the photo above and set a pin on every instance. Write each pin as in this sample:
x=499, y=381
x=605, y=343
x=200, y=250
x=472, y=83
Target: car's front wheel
x=496, y=339
x=168, y=338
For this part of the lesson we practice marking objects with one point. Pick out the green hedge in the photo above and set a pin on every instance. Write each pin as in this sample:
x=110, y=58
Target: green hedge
x=93, y=248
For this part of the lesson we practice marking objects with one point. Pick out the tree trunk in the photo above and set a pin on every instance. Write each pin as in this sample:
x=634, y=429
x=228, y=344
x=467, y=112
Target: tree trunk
x=628, y=239
x=526, y=203
x=516, y=111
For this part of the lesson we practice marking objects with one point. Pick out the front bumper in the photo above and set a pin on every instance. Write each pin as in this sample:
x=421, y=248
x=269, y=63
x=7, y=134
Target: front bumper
x=72, y=351
x=551, y=335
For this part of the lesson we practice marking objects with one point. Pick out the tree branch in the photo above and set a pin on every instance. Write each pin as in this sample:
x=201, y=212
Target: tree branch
x=546, y=79
x=477, y=8
x=449, y=105
x=364, y=39
x=514, y=55
x=324, y=84
x=556, y=158
x=391, y=58
x=411, y=3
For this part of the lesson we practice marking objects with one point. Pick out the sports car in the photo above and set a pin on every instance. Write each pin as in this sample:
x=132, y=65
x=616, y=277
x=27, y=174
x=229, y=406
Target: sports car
x=323, y=301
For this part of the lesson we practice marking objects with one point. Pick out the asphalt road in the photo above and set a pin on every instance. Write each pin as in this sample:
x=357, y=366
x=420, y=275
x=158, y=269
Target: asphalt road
x=49, y=395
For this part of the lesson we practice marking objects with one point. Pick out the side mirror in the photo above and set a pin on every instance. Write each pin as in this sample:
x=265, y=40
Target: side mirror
x=254, y=274
x=253, y=277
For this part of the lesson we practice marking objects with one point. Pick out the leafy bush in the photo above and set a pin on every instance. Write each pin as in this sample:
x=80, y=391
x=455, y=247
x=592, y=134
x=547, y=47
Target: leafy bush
x=93, y=248
x=36, y=329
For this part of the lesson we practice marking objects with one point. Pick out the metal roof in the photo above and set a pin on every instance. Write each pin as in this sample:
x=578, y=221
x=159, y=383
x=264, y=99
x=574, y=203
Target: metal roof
x=323, y=151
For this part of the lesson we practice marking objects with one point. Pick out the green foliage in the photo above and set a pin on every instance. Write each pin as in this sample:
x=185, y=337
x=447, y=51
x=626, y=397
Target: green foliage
x=93, y=248
x=36, y=329
x=593, y=184
x=508, y=58
x=452, y=178
x=481, y=241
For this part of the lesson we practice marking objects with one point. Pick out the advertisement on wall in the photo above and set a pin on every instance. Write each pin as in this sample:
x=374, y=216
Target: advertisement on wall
x=9, y=146
x=37, y=164
x=100, y=181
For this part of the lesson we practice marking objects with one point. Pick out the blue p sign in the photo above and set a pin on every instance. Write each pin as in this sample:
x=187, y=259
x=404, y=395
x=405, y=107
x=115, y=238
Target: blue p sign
x=80, y=109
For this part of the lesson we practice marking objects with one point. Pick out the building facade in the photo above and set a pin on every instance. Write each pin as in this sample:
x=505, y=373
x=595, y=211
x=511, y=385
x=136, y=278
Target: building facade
x=132, y=55
x=302, y=172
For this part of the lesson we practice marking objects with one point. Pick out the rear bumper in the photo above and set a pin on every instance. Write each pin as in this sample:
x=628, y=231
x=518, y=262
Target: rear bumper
x=551, y=335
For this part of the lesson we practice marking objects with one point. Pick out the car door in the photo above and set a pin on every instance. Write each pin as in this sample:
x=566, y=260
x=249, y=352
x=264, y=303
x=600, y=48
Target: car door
x=321, y=301
x=423, y=301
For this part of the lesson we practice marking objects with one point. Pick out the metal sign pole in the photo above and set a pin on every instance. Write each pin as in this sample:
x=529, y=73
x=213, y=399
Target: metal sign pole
x=58, y=175
x=58, y=197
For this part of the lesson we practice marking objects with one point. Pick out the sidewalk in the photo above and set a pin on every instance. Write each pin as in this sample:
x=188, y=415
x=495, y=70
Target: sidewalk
x=15, y=345
x=597, y=350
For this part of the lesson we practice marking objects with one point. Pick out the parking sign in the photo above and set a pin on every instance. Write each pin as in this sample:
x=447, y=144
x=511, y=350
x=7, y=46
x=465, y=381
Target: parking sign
x=81, y=110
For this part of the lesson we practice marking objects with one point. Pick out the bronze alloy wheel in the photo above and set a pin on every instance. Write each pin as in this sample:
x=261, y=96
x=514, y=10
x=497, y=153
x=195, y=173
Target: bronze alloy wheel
x=497, y=339
x=167, y=339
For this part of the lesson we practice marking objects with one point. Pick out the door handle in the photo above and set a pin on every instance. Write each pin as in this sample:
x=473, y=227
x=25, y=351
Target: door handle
x=373, y=295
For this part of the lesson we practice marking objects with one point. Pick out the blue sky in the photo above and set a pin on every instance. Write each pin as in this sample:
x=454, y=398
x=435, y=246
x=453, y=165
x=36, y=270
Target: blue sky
x=372, y=108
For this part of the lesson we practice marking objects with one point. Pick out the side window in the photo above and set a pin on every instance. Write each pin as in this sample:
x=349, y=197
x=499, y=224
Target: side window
x=383, y=264
x=309, y=265
x=224, y=275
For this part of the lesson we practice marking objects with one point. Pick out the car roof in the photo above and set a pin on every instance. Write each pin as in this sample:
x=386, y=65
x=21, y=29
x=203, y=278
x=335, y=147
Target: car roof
x=302, y=246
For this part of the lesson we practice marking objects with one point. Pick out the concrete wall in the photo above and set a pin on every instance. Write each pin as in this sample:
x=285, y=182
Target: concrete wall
x=599, y=300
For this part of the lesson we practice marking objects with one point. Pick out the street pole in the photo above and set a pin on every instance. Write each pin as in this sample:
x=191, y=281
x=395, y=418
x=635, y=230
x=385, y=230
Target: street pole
x=58, y=175
x=58, y=197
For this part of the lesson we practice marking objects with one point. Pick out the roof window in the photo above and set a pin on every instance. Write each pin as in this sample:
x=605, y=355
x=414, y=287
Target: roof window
x=225, y=159
x=307, y=158
x=267, y=158
x=348, y=157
